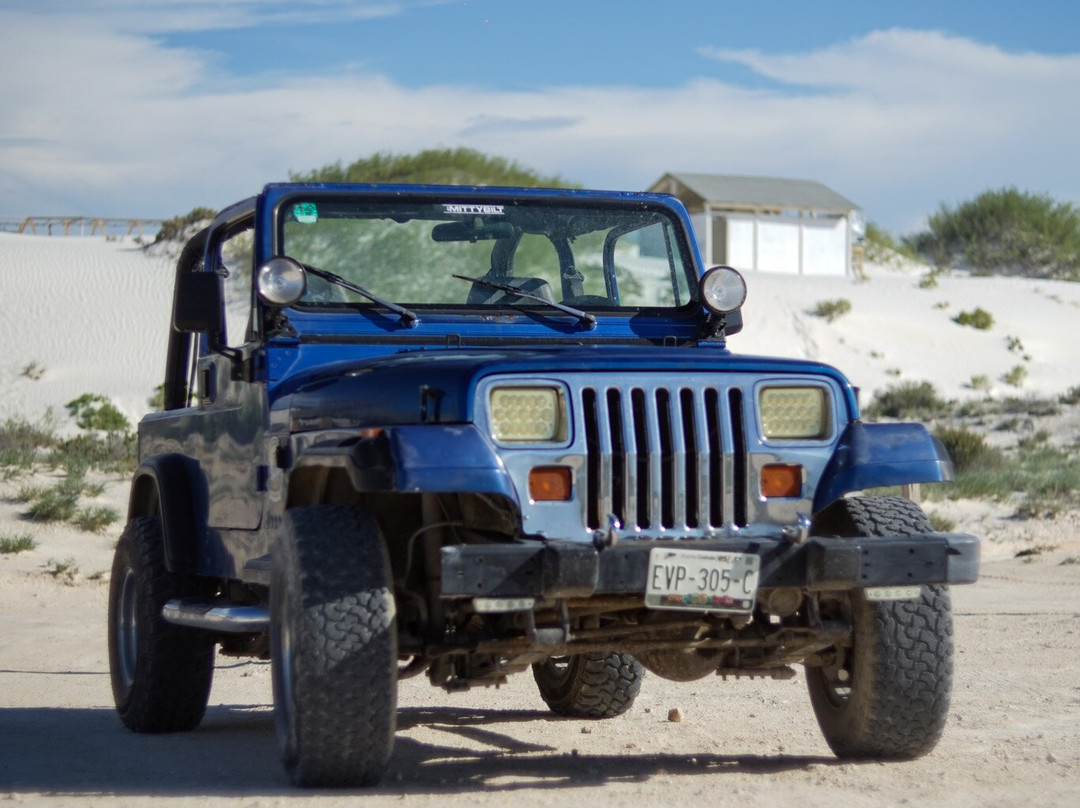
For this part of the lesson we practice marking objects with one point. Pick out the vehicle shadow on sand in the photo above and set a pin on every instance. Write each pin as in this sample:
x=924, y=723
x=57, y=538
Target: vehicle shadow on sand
x=234, y=752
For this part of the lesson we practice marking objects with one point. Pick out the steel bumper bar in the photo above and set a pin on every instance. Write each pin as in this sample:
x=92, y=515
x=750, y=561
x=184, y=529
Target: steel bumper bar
x=562, y=569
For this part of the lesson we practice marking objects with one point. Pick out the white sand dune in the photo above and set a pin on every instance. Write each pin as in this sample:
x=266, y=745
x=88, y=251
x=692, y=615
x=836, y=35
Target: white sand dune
x=92, y=316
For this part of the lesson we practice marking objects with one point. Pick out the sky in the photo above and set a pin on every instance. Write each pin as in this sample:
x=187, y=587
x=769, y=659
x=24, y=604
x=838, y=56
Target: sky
x=149, y=108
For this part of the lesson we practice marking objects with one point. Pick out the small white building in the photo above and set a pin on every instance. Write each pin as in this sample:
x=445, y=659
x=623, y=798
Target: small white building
x=770, y=224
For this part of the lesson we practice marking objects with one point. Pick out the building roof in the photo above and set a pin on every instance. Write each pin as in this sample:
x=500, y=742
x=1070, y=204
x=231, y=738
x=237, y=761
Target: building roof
x=720, y=191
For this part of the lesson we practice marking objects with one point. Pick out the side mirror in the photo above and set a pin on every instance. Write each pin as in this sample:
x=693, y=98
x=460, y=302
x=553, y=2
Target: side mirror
x=197, y=303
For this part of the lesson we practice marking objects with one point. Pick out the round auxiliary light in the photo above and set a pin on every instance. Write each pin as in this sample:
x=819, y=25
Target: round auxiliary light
x=282, y=281
x=723, y=290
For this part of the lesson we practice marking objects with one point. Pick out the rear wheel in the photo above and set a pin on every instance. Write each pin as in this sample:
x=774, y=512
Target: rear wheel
x=595, y=685
x=886, y=695
x=160, y=672
x=333, y=639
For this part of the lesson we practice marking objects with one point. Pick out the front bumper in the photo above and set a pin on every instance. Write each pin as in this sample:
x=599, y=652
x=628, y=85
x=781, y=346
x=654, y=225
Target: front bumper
x=561, y=569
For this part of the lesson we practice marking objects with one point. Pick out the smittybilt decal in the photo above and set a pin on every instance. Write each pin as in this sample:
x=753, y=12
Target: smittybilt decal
x=474, y=210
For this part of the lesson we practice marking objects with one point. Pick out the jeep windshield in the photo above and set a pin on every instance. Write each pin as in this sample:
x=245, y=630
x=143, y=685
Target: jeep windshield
x=449, y=254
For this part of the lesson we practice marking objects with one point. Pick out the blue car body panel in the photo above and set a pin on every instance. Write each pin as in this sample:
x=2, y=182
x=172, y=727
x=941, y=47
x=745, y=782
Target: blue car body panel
x=880, y=455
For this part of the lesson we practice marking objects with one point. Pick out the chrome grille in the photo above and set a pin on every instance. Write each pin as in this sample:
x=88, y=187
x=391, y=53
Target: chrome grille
x=655, y=455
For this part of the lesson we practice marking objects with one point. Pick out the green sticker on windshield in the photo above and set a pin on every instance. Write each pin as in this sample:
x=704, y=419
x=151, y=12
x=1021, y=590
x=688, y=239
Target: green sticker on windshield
x=306, y=212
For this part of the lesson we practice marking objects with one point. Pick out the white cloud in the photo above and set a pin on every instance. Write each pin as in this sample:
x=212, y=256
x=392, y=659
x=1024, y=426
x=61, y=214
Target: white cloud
x=104, y=122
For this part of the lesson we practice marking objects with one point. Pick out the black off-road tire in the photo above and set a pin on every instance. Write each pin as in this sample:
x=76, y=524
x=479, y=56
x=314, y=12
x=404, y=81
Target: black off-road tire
x=601, y=684
x=888, y=697
x=160, y=672
x=333, y=643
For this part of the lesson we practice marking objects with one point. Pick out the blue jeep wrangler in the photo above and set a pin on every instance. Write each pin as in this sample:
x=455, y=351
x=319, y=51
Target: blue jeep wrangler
x=467, y=432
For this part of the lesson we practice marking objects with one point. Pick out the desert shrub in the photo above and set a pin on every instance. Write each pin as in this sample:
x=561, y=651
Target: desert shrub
x=20, y=441
x=1071, y=396
x=60, y=502
x=882, y=248
x=832, y=309
x=1046, y=479
x=941, y=524
x=1005, y=232
x=980, y=382
x=94, y=519
x=1034, y=441
x=66, y=570
x=95, y=412
x=458, y=166
x=1015, y=377
x=33, y=371
x=54, y=504
x=114, y=452
x=967, y=448
x=1016, y=346
x=19, y=543
x=977, y=318
x=906, y=400
x=174, y=229
x=928, y=281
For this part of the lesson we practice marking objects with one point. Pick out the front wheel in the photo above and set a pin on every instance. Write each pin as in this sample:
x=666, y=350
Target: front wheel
x=886, y=694
x=596, y=685
x=333, y=644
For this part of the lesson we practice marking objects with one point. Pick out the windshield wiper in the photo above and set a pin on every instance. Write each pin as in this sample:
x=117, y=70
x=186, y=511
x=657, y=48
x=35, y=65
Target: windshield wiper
x=583, y=316
x=408, y=318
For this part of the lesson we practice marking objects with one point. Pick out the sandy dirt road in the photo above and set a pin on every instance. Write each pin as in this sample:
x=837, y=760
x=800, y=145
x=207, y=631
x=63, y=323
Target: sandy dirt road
x=1013, y=736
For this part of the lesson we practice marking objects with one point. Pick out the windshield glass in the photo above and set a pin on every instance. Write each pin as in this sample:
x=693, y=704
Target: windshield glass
x=586, y=255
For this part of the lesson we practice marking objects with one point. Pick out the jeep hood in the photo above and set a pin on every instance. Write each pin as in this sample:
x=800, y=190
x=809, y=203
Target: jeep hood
x=437, y=386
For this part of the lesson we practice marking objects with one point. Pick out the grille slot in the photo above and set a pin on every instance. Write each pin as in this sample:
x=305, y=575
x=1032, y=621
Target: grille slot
x=655, y=456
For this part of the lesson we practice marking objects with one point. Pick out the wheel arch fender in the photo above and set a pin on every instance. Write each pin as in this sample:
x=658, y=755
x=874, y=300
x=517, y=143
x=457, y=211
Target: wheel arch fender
x=429, y=458
x=879, y=455
x=167, y=486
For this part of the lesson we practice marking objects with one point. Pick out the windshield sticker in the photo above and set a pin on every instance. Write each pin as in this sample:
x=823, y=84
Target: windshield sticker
x=474, y=210
x=306, y=212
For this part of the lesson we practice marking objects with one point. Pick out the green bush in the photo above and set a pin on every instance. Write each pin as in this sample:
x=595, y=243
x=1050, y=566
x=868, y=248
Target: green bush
x=33, y=371
x=113, y=451
x=440, y=166
x=54, y=504
x=881, y=248
x=95, y=412
x=977, y=318
x=1005, y=232
x=22, y=542
x=967, y=448
x=94, y=519
x=941, y=524
x=1046, y=479
x=1015, y=377
x=66, y=570
x=20, y=441
x=831, y=309
x=906, y=400
x=173, y=229
x=1071, y=396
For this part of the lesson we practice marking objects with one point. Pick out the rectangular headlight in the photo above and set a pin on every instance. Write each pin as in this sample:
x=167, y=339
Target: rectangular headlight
x=794, y=413
x=527, y=414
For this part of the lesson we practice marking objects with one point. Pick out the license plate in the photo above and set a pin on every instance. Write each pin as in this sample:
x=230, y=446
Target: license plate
x=702, y=580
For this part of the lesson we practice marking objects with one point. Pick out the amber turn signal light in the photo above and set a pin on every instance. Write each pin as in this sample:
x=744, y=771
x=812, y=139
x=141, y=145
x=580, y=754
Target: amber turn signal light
x=550, y=484
x=778, y=481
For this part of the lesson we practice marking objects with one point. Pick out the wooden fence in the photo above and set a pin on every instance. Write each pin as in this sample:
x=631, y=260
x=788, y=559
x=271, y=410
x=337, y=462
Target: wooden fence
x=81, y=226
